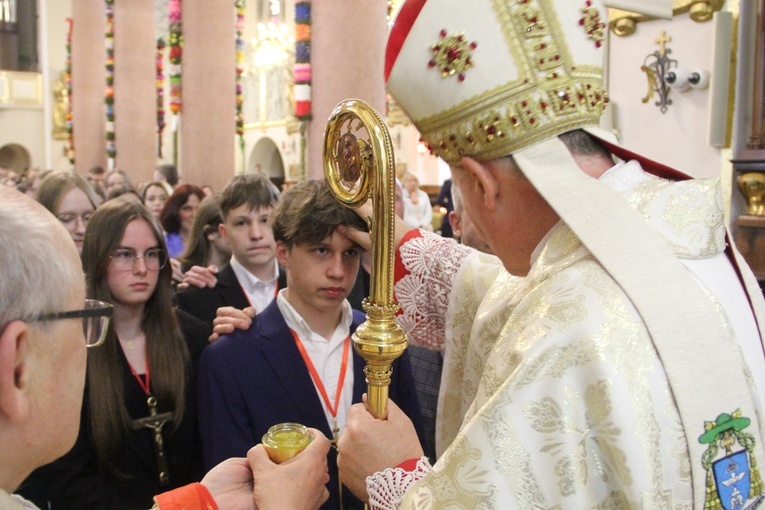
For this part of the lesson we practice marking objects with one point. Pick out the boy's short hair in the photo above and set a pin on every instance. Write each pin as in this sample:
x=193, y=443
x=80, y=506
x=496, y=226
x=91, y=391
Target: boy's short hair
x=309, y=213
x=255, y=190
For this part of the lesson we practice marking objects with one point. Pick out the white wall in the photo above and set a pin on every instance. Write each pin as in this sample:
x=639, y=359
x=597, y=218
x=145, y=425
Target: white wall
x=23, y=126
x=679, y=137
x=26, y=126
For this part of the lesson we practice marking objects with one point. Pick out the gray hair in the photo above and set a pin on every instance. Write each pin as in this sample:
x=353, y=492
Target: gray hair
x=35, y=276
x=457, y=202
x=580, y=142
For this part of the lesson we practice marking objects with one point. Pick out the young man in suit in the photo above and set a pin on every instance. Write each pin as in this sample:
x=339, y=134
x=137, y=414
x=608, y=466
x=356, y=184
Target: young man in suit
x=296, y=362
x=253, y=277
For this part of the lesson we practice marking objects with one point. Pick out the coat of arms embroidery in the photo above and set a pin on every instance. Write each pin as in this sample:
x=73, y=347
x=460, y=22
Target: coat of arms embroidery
x=733, y=480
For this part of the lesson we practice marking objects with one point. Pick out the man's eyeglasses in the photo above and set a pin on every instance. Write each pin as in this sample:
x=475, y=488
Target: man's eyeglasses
x=124, y=259
x=95, y=320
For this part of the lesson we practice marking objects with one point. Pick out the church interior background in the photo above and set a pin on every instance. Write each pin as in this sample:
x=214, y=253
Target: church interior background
x=230, y=86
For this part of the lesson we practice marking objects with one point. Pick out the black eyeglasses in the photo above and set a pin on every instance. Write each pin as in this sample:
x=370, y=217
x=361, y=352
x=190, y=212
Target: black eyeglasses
x=95, y=320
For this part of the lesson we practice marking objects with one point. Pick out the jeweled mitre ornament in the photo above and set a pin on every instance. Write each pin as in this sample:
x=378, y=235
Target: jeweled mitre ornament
x=525, y=70
x=452, y=54
x=592, y=24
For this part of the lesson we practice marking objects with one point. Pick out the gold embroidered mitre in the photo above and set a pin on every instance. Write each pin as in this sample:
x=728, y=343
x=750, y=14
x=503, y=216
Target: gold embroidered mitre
x=486, y=78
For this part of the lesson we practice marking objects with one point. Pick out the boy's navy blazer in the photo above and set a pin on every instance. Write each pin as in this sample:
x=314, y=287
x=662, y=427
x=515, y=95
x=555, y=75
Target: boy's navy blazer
x=251, y=380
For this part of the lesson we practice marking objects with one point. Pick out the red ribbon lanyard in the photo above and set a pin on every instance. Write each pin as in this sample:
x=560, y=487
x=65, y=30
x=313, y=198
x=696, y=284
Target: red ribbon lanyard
x=144, y=385
x=315, y=375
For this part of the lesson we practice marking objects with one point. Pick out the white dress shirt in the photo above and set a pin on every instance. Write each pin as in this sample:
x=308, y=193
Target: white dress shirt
x=326, y=356
x=260, y=293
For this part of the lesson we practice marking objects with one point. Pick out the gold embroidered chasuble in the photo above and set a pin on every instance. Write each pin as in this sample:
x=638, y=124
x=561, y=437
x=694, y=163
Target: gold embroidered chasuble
x=553, y=395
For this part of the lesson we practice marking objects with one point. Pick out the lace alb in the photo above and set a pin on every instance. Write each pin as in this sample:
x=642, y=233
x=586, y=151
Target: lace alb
x=387, y=488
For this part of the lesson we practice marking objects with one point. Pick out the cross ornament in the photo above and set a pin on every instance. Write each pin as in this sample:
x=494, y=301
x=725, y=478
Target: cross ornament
x=662, y=41
x=154, y=422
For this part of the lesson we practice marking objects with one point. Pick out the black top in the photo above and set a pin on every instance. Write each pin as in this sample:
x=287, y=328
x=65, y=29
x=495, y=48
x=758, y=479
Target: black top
x=78, y=481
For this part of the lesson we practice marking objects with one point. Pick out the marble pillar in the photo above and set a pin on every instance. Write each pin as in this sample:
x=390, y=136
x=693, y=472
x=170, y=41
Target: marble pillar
x=134, y=113
x=208, y=130
x=88, y=83
x=347, y=56
x=134, y=88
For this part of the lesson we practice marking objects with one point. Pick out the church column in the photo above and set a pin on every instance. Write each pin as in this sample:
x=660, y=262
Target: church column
x=88, y=60
x=134, y=114
x=209, y=93
x=347, y=57
x=134, y=88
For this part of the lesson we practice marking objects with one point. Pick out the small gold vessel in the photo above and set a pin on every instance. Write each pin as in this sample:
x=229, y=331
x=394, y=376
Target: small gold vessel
x=285, y=440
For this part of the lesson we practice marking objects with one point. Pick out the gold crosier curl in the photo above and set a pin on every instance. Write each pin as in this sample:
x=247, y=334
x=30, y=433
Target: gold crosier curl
x=356, y=169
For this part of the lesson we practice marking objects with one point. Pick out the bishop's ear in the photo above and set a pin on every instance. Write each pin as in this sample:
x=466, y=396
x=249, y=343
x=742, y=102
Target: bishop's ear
x=14, y=371
x=484, y=182
x=455, y=220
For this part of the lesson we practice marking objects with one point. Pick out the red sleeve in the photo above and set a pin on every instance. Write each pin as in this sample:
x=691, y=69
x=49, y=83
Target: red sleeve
x=399, y=271
x=194, y=496
x=408, y=465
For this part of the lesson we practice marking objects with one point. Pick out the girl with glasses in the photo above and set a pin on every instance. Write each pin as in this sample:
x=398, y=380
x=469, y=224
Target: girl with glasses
x=71, y=199
x=138, y=434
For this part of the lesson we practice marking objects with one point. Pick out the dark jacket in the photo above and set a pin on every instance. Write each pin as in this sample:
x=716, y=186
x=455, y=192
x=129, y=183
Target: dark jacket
x=204, y=303
x=254, y=379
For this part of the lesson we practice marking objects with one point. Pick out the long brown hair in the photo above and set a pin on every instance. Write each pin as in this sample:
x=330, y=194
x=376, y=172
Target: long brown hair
x=170, y=217
x=198, y=250
x=166, y=350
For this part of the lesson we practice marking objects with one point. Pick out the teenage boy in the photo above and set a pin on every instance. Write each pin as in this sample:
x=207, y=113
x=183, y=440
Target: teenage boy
x=253, y=277
x=296, y=362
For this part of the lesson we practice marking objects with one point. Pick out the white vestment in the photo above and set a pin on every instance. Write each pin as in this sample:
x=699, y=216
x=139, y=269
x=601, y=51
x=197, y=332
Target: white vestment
x=14, y=502
x=553, y=394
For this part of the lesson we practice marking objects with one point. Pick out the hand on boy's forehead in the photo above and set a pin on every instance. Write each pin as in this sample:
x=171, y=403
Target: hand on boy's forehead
x=360, y=240
x=339, y=239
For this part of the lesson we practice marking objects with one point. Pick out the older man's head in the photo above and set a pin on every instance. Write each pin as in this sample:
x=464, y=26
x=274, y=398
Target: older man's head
x=42, y=362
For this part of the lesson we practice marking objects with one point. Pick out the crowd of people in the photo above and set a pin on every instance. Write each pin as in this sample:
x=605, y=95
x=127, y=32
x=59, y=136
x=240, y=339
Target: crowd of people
x=166, y=259
x=122, y=368
x=591, y=340
x=155, y=414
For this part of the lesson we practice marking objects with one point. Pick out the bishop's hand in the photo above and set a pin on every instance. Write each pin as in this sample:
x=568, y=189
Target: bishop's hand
x=368, y=445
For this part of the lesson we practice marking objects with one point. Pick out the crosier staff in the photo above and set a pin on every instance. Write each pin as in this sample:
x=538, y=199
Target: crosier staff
x=356, y=168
